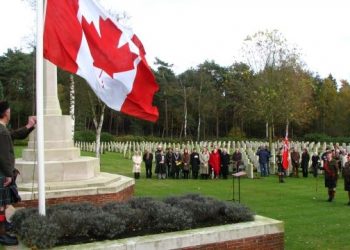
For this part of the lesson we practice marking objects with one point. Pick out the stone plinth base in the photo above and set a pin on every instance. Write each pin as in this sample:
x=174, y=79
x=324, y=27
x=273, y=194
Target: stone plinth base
x=82, y=168
x=100, y=189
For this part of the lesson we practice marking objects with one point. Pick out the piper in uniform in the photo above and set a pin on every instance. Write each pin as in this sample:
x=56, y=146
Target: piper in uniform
x=8, y=173
x=330, y=168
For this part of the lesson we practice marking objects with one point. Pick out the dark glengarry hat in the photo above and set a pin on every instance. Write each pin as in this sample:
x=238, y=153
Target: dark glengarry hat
x=4, y=105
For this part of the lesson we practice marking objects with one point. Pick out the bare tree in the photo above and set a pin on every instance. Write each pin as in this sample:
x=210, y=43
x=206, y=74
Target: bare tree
x=98, y=111
x=72, y=101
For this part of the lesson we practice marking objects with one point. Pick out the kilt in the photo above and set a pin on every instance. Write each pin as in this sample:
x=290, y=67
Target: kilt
x=330, y=182
x=347, y=184
x=8, y=195
x=280, y=168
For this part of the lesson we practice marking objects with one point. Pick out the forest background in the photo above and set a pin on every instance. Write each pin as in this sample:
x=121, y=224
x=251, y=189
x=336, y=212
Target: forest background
x=259, y=97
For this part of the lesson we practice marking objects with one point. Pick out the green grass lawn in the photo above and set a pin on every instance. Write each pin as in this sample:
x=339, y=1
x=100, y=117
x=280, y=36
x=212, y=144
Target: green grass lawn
x=310, y=221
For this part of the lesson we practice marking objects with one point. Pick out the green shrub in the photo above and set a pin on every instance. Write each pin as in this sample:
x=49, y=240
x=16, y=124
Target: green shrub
x=133, y=217
x=209, y=211
x=105, y=225
x=235, y=213
x=236, y=133
x=39, y=232
x=82, y=207
x=107, y=137
x=85, y=222
x=77, y=226
x=162, y=217
x=171, y=218
x=90, y=136
x=85, y=136
x=20, y=216
x=316, y=137
x=137, y=138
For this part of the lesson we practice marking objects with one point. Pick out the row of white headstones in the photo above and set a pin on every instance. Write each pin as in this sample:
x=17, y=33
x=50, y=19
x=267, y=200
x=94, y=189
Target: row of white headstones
x=247, y=148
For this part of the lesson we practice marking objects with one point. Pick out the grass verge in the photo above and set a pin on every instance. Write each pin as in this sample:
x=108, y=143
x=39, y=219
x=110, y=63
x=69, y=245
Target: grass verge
x=310, y=222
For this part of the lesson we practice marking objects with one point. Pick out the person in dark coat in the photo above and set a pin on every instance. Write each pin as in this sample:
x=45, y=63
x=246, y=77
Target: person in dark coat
x=346, y=176
x=8, y=173
x=280, y=168
x=330, y=167
x=195, y=163
x=263, y=160
x=177, y=163
x=237, y=159
x=225, y=161
x=295, y=157
x=160, y=163
x=315, y=164
x=170, y=163
x=305, y=158
x=148, y=158
x=268, y=161
x=186, y=158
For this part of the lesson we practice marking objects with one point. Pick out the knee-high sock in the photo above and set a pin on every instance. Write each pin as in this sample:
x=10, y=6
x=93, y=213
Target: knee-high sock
x=2, y=221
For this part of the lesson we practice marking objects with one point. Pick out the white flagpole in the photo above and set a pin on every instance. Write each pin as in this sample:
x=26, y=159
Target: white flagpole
x=40, y=106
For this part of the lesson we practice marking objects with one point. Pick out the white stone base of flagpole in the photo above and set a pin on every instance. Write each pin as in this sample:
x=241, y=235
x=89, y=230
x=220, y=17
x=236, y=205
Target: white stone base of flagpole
x=104, y=183
x=82, y=168
x=62, y=160
x=69, y=177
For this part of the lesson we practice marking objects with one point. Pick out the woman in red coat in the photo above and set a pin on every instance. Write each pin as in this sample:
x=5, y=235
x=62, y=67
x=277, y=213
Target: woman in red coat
x=215, y=162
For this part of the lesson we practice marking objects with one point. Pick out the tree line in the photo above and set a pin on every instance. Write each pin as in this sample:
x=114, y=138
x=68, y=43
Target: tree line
x=269, y=90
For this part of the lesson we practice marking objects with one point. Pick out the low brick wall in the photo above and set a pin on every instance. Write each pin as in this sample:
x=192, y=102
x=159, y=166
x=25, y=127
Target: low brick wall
x=268, y=242
x=263, y=233
x=122, y=195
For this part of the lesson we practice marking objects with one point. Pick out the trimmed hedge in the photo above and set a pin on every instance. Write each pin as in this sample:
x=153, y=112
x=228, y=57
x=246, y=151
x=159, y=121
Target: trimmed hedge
x=83, y=222
x=85, y=136
x=316, y=137
x=138, y=138
x=90, y=136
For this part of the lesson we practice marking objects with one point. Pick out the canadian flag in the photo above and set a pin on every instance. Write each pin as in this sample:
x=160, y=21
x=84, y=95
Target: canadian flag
x=80, y=37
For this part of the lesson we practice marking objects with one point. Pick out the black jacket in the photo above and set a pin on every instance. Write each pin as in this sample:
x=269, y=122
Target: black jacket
x=7, y=155
x=194, y=161
x=148, y=161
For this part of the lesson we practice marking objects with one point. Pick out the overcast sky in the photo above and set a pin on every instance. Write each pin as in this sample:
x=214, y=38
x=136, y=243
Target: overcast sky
x=187, y=32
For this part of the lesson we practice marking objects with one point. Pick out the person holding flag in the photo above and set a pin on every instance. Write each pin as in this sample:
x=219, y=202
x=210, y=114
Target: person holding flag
x=282, y=159
x=279, y=162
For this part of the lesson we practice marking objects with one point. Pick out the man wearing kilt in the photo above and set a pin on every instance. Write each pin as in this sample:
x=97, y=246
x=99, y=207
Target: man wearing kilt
x=330, y=168
x=8, y=173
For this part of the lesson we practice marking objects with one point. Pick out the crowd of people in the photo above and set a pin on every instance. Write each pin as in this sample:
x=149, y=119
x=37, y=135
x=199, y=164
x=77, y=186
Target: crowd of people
x=336, y=163
x=175, y=164
x=215, y=164
x=333, y=162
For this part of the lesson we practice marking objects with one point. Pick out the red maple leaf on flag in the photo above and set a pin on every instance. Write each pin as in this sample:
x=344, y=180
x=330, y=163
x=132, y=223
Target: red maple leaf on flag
x=116, y=59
